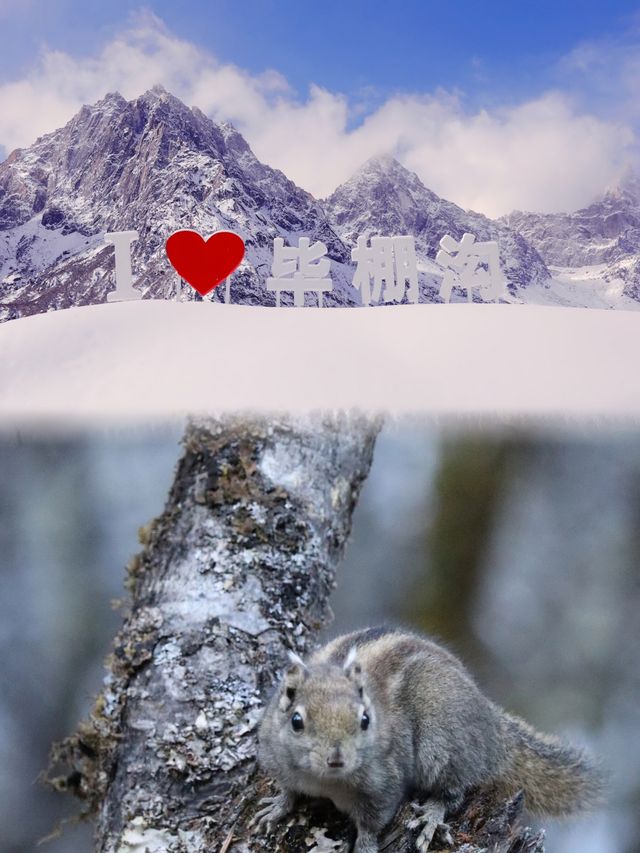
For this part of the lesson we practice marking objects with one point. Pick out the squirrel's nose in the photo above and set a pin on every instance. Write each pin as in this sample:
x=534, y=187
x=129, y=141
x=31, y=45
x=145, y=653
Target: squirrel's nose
x=335, y=758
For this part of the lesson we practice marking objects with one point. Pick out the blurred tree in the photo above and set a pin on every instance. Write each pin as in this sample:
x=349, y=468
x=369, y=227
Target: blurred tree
x=47, y=538
x=469, y=487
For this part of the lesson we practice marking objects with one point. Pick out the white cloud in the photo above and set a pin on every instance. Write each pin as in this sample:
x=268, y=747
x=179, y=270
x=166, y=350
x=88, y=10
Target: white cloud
x=540, y=155
x=607, y=72
x=543, y=154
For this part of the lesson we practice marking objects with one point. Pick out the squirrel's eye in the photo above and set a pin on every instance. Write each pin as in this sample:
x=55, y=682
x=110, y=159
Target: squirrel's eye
x=297, y=723
x=364, y=721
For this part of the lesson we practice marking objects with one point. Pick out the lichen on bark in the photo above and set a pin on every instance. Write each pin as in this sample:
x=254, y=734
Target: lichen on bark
x=236, y=571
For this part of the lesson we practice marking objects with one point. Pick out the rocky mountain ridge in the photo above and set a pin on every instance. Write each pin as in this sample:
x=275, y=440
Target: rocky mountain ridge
x=151, y=165
x=604, y=234
x=155, y=165
x=383, y=197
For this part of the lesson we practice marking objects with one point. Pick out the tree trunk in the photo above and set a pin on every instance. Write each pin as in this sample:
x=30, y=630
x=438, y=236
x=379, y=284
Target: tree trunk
x=237, y=570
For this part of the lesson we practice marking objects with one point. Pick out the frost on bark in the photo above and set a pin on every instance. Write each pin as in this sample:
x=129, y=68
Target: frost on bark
x=236, y=571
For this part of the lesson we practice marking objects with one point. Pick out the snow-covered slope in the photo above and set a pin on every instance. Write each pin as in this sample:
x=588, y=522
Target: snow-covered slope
x=110, y=361
x=152, y=165
x=583, y=287
x=385, y=198
x=600, y=243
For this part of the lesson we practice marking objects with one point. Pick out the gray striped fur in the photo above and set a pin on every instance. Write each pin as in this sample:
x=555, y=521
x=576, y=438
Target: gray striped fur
x=432, y=735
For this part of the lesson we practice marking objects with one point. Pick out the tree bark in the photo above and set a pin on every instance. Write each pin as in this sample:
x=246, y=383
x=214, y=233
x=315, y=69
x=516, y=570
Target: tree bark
x=236, y=571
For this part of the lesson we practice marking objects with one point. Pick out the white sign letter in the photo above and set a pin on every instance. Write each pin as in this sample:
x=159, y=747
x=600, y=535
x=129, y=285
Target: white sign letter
x=121, y=241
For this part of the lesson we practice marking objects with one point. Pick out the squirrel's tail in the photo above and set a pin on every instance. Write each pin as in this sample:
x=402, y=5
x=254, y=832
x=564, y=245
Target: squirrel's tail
x=557, y=779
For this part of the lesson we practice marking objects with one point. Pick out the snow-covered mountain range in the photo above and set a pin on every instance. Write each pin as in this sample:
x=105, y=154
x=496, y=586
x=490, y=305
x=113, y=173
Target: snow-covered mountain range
x=155, y=165
x=601, y=242
x=151, y=165
x=385, y=198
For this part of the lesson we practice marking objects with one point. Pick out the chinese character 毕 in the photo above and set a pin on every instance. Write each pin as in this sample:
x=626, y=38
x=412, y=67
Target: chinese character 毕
x=299, y=269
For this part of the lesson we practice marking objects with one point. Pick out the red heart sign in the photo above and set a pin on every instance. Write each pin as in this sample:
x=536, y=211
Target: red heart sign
x=204, y=263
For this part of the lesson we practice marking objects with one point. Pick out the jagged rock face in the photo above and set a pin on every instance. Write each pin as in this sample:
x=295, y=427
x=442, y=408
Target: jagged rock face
x=151, y=165
x=606, y=232
x=385, y=198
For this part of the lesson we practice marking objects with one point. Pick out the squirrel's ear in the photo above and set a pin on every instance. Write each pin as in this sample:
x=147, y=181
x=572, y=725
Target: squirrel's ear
x=353, y=669
x=294, y=675
x=296, y=660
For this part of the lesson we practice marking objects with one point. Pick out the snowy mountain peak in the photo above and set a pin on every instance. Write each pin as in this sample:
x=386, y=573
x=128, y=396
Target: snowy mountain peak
x=153, y=165
x=380, y=164
x=627, y=188
x=114, y=98
x=604, y=237
x=383, y=174
x=158, y=91
x=385, y=198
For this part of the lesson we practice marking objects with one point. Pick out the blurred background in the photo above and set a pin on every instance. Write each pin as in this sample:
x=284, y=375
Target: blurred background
x=519, y=547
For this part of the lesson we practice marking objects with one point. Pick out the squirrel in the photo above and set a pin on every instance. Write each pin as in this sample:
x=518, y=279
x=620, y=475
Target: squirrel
x=381, y=716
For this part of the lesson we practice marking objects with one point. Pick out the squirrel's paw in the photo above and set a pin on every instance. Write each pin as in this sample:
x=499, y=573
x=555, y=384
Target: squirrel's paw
x=429, y=820
x=324, y=844
x=271, y=810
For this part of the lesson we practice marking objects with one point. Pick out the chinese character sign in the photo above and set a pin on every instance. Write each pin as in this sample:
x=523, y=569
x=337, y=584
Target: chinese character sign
x=391, y=260
x=471, y=265
x=299, y=269
x=386, y=267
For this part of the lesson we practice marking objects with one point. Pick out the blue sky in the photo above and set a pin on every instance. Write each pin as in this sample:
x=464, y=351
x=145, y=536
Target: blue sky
x=498, y=68
x=490, y=50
